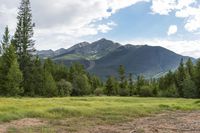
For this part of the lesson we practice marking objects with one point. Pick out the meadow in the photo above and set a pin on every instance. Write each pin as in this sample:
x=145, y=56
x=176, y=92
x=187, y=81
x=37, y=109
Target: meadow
x=90, y=110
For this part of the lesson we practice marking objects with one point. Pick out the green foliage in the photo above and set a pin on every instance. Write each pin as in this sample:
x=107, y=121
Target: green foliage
x=64, y=88
x=14, y=79
x=180, y=77
x=5, y=41
x=50, y=88
x=81, y=85
x=99, y=91
x=111, y=87
x=146, y=91
x=124, y=89
x=170, y=91
x=189, y=88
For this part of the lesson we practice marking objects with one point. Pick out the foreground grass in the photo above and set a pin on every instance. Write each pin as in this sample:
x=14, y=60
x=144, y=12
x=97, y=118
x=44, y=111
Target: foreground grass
x=105, y=109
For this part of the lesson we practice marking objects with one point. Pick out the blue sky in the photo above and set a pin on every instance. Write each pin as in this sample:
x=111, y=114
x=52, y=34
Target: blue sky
x=173, y=24
x=137, y=21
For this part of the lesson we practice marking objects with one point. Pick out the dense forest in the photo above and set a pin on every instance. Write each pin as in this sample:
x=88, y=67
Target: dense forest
x=23, y=73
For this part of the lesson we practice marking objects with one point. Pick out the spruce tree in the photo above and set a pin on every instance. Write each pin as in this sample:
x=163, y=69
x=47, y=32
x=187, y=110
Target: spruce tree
x=24, y=44
x=111, y=86
x=197, y=77
x=190, y=68
x=131, y=85
x=180, y=77
x=11, y=76
x=50, y=87
x=14, y=79
x=5, y=41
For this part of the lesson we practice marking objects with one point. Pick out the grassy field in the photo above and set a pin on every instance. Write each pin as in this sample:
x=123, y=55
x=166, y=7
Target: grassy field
x=90, y=110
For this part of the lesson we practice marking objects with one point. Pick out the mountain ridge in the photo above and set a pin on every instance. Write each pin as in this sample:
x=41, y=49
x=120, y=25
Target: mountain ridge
x=103, y=58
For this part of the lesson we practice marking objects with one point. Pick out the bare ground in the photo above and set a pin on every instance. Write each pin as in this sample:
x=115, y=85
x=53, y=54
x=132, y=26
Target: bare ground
x=27, y=122
x=168, y=122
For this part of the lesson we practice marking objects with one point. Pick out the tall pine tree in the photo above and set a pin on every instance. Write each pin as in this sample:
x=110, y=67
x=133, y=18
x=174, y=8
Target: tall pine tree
x=24, y=43
x=5, y=41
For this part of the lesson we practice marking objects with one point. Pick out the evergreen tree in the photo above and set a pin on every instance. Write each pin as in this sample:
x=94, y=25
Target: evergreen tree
x=140, y=82
x=50, y=87
x=5, y=41
x=123, y=90
x=14, y=79
x=180, y=77
x=190, y=68
x=189, y=87
x=121, y=72
x=24, y=43
x=131, y=85
x=81, y=85
x=95, y=82
x=111, y=87
x=36, y=78
x=197, y=77
x=10, y=74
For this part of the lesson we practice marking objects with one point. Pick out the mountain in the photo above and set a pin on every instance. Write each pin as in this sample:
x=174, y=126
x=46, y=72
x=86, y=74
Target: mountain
x=140, y=60
x=103, y=58
x=45, y=53
x=89, y=51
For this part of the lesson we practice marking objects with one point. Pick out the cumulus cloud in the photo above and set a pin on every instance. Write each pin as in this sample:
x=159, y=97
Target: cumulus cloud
x=187, y=9
x=163, y=7
x=172, y=30
x=61, y=22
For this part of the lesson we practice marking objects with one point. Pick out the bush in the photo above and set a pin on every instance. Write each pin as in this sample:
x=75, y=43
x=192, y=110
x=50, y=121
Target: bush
x=189, y=89
x=146, y=91
x=64, y=88
x=98, y=91
x=171, y=91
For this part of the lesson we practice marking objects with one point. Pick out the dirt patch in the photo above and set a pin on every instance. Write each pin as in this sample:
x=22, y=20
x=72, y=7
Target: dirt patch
x=169, y=122
x=27, y=122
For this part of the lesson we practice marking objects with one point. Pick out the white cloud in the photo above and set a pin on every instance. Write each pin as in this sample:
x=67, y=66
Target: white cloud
x=163, y=7
x=70, y=19
x=172, y=30
x=188, y=9
x=184, y=47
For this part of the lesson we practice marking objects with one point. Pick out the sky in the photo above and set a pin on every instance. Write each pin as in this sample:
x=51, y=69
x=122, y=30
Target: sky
x=173, y=24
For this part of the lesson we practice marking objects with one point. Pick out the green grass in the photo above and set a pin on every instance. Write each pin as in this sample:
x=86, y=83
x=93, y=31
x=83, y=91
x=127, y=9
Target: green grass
x=106, y=109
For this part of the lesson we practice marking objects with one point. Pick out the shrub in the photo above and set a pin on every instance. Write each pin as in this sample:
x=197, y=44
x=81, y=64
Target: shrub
x=146, y=91
x=64, y=88
x=98, y=91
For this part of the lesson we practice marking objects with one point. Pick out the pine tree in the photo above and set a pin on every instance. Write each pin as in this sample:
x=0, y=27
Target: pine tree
x=81, y=85
x=5, y=41
x=190, y=68
x=123, y=82
x=10, y=74
x=14, y=79
x=197, y=77
x=24, y=43
x=131, y=85
x=180, y=77
x=50, y=87
x=189, y=87
x=111, y=86
x=121, y=72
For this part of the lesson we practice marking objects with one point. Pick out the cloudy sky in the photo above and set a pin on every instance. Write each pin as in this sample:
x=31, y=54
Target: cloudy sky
x=173, y=24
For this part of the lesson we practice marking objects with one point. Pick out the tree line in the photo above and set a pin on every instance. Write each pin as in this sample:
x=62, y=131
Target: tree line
x=23, y=73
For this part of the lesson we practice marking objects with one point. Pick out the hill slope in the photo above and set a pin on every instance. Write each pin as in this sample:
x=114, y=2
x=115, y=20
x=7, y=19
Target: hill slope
x=103, y=58
x=146, y=60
